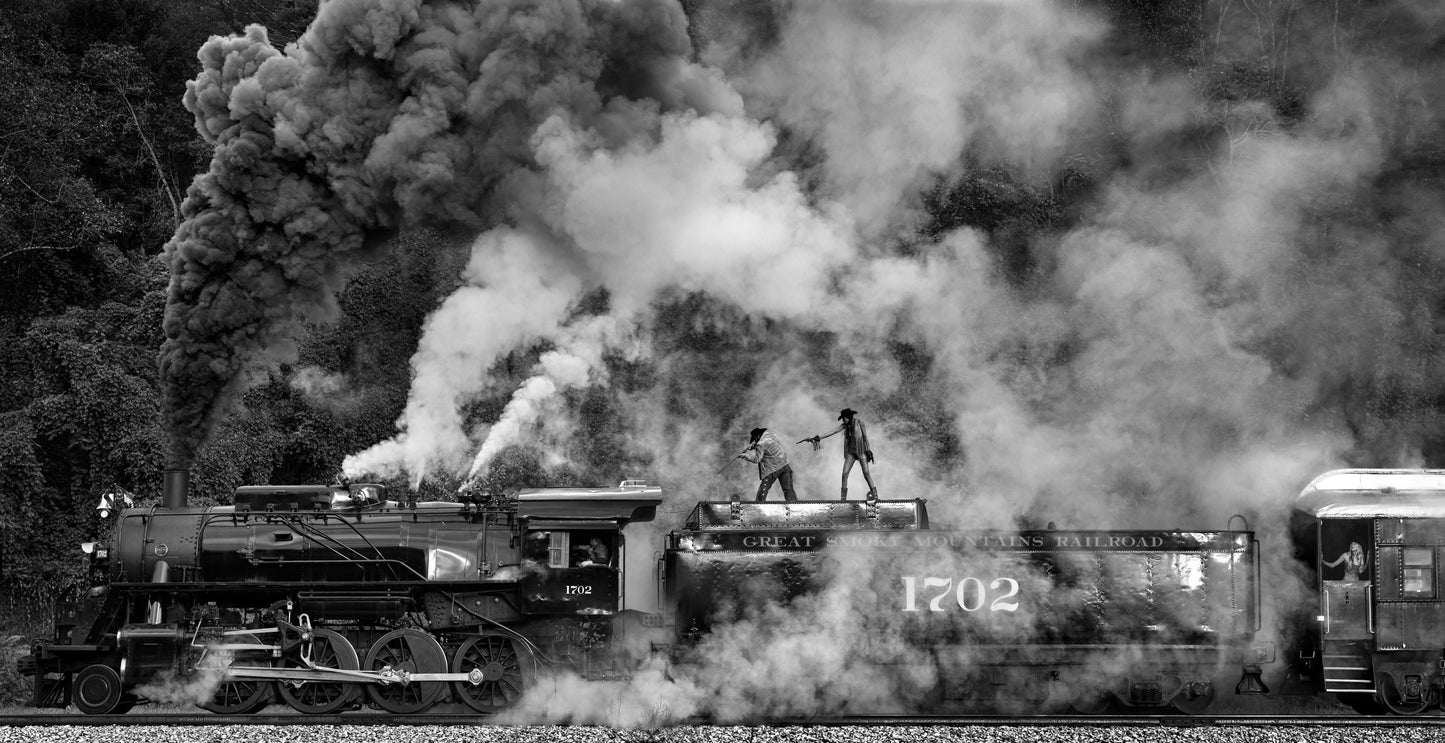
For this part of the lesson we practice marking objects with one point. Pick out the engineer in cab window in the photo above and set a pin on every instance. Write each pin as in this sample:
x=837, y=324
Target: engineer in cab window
x=597, y=552
x=1356, y=560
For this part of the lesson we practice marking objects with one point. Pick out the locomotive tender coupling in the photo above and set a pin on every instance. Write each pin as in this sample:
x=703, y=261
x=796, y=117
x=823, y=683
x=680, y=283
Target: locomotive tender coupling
x=328, y=598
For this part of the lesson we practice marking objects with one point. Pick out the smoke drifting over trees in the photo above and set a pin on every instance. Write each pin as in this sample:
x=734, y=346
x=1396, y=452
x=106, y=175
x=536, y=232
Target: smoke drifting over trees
x=1162, y=258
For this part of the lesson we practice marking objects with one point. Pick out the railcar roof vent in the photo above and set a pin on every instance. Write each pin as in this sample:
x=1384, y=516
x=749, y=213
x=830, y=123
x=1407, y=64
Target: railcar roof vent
x=632, y=485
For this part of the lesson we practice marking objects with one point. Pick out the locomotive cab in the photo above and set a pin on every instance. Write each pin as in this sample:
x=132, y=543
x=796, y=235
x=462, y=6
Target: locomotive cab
x=1375, y=539
x=589, y=551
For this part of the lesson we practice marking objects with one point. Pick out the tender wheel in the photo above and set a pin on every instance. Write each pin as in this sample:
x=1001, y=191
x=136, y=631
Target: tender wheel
x=406, y=651
x=241, y=696
x=329, y=649
x=1194, y=698
x=500, y=671
x=97, y=691
x=1391, y=696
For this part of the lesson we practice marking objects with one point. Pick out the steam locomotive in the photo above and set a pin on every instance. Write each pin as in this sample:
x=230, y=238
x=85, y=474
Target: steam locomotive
x=328, y=598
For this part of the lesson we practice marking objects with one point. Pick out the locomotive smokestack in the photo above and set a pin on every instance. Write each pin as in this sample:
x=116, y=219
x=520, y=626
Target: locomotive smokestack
x=173, y=488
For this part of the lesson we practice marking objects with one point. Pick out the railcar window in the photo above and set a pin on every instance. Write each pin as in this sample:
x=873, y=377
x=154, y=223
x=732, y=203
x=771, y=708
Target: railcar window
x=1419, y=571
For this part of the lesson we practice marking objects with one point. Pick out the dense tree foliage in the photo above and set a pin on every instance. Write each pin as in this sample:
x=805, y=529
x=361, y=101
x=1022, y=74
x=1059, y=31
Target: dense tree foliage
x=95, y=152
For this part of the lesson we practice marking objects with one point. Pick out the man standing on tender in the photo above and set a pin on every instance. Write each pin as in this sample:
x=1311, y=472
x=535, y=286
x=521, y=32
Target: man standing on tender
x=767, y=451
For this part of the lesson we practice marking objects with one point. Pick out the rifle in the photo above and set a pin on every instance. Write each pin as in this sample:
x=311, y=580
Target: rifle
x=729, y=464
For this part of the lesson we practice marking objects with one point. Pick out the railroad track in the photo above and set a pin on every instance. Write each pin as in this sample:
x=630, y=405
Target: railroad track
x=177, y=719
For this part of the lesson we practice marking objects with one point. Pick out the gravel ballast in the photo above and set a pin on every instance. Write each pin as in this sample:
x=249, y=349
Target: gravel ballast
x=857, y=734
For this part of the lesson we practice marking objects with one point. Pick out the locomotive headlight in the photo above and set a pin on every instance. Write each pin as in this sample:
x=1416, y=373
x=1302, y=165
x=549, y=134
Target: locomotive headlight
x=87, y=547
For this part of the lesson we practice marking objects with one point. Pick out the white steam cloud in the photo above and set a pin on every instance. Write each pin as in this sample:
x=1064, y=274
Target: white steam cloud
x=1063, y=274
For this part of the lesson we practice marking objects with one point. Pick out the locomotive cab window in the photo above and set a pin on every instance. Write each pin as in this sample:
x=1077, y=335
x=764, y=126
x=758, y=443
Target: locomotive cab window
x=575, y=548
x=546, y=548
x=1418, y=572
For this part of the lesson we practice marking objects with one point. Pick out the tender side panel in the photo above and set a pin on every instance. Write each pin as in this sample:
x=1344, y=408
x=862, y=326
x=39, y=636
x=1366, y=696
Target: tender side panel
x=946, y=588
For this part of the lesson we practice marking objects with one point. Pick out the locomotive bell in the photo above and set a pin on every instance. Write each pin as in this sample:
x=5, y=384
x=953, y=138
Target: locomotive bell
x=110, y=502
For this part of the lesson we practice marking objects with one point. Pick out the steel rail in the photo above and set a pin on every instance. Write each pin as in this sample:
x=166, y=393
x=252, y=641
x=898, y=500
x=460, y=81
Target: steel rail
x=367, y=718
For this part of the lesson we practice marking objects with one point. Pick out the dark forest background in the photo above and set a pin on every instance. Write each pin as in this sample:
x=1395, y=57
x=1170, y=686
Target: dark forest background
x=96, y=152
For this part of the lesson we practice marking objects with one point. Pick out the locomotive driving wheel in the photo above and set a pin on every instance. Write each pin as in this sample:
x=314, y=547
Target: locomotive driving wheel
x=499, y=672
x=329, y=649
x=240, y=696
x=403, y=652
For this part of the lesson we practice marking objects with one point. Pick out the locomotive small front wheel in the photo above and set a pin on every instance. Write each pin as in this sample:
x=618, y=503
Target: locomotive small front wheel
x=408, y=651
x=329, y=649
x=97, y=691
x=498, y=672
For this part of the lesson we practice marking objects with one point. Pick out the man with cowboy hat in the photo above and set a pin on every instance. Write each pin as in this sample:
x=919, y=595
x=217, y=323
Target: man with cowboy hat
x=772, y=460
x=855, y=448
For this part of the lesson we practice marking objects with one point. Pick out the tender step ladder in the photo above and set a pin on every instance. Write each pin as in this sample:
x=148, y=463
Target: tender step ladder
x=1346, y=667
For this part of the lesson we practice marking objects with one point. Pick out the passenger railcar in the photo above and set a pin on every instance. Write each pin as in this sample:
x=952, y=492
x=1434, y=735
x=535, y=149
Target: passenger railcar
x=1375, y=634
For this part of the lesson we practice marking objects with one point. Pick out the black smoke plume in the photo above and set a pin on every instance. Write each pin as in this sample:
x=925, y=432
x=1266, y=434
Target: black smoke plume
x=385, y=114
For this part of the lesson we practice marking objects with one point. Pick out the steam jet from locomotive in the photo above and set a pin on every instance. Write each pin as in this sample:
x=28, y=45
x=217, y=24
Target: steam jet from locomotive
x=327, y=598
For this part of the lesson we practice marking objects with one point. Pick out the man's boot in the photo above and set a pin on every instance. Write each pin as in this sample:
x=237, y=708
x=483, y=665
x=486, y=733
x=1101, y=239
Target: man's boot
x=845, y=494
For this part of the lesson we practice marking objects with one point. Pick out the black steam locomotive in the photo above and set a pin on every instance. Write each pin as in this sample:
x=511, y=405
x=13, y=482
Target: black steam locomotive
x=327, y=598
